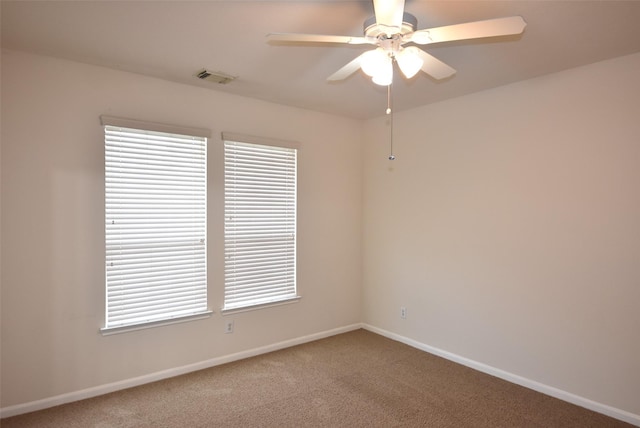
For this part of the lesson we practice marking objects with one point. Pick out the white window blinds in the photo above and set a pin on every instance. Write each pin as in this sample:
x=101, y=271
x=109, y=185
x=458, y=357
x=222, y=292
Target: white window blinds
x=155, y=201
x=260, y=224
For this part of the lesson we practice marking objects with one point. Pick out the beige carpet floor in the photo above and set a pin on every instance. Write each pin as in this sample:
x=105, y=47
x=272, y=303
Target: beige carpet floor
x=356, y=379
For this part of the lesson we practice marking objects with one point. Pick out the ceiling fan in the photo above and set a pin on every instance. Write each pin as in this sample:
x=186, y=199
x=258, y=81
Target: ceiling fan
x=390, y=29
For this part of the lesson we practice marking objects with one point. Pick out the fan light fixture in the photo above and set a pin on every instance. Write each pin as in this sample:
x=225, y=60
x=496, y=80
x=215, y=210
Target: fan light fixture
x=378, y=64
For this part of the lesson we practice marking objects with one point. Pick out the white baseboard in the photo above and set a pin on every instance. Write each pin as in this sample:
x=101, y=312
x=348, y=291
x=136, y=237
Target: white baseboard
x=57, y=400
x=153, y=377
x=513, y=378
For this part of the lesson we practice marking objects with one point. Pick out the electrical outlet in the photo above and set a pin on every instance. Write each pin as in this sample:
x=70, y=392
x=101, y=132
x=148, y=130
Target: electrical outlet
x=228, y=327
x=403, y=312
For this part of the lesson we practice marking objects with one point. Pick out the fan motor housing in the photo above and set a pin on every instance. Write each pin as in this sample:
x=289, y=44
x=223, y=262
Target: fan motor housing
x=373, y=29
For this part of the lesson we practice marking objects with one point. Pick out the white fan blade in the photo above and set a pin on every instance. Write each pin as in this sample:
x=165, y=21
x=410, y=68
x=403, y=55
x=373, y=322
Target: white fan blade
x=434, y=67
x=318, y=38
x=470, y=30
x=389, y=12
x=347, y=70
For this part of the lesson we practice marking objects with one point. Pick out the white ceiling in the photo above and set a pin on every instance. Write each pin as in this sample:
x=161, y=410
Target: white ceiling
x=174, y=39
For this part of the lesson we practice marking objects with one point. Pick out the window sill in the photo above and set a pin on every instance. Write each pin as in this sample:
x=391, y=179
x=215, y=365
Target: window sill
x=125, y=329
x=288, y=301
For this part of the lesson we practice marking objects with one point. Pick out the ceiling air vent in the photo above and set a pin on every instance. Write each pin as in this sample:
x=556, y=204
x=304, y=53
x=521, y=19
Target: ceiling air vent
x=215, y=77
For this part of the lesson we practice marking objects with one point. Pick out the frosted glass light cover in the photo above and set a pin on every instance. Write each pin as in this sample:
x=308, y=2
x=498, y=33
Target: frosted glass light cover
x=384, y=75
x=409, y=61
x=373, y=61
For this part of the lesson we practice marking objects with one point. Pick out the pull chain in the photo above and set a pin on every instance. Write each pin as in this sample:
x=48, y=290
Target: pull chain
x=390, y=113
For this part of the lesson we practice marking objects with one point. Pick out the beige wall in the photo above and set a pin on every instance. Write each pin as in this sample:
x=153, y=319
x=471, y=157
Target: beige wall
x=509, y=226
x=52, y=226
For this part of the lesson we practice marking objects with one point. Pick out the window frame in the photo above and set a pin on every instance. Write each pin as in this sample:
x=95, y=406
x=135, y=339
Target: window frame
x=156, y=131
x=278, y=145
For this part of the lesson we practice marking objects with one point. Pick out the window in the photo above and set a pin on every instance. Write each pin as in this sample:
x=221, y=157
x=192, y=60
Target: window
x=260, y=222
x=155, y=228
